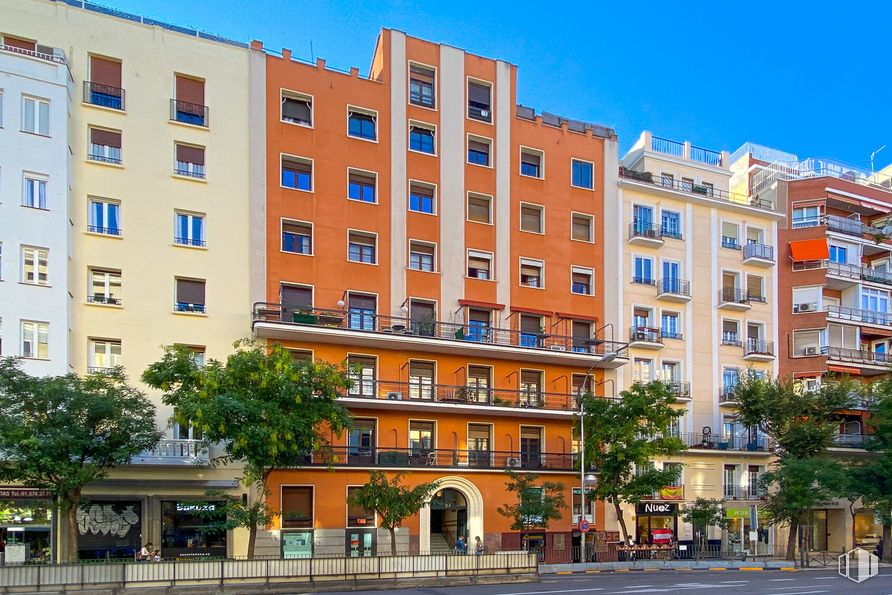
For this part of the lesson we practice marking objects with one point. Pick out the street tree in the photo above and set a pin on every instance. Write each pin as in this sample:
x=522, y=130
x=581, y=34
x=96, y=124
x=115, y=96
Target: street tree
x=392, y=501
x=702, y=514
x=260, y=405
x=61, y=433
x=622, y=438
x=535, y=505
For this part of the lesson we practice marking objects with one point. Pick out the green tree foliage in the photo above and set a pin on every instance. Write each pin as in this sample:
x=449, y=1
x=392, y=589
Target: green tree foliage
x=392, y=501
x=231, y=512
x=260, y=405
x=702, y=514
x=62, y=432
x=802, y=424
x=536, y=504
x=622, y=438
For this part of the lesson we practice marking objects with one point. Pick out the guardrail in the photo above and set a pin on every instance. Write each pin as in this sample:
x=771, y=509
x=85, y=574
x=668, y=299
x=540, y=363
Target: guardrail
x=67, y=577
x=858, y=315
x=415, y=457
x=422, y=392
x=702, y=190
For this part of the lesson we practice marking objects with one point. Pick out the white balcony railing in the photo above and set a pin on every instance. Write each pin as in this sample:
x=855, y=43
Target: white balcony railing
x=173, y=451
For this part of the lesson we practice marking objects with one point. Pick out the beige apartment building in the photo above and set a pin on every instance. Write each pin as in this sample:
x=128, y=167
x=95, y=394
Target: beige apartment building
x=159, y=193
x=696, y=302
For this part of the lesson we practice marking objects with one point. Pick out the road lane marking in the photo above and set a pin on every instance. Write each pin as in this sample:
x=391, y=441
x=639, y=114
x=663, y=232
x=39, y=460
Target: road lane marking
x=777, y=580
x=591, y=590
x=825, y=578
x=800, y=593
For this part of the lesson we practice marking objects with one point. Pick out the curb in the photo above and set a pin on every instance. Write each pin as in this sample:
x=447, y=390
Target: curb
x=682, y=569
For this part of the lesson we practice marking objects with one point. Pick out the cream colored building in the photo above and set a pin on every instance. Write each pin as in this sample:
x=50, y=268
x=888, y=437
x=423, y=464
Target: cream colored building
x=696, y=302
x=159, y=197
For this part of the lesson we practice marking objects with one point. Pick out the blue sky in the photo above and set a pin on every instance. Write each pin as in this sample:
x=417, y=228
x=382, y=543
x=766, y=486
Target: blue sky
x=813, y=81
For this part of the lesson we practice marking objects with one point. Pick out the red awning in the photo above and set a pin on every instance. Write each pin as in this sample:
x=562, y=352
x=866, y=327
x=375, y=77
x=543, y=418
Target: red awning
x=804, y=250
x=844, y=370
x=478, y=304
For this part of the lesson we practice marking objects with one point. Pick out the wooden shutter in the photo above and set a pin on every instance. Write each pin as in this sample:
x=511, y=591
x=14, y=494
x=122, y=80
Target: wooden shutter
x=422, y=311
x=530, y=324
x=582, y=330
x=582, y=229
x=297, y=507
x=105, y=137
x=105, y=72
x=190, y=154
x=419, y=73
x=530, y=218
x=476, y=145
x=298, y=297
x=190, y=292
x=364, y=302
x=478, y=93
x=190, y=90
x=478, y=209
x=22, y=44
x=583, y=278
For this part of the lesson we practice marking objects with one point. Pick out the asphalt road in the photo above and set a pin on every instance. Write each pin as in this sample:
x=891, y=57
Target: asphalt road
x=767, y=582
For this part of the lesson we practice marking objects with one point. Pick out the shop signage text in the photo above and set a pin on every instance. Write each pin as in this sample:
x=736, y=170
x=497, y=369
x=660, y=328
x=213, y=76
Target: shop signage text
x=20, y=493
x=657, y=508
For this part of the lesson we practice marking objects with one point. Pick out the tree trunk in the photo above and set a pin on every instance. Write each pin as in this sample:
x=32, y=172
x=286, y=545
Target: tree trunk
x=887, y=542
x=72, y=501
x=252, y=541
x=392, y=531
x=791, y=541
x=622, y=522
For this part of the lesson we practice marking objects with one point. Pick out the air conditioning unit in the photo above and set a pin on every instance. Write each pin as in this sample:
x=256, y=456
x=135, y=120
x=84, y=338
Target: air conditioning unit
x=484, y=113
x=802, y=308
x=557, y=348
x=44, y=49
x=513, y=462
x=810, y=351
x=395, y=395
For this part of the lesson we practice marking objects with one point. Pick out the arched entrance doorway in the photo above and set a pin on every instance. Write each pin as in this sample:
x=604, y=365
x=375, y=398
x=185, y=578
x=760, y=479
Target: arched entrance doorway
x=467, y=501
x=449, y=519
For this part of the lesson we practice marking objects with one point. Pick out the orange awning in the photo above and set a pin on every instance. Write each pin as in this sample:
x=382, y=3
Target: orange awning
x=844, y=370
x=803, y=250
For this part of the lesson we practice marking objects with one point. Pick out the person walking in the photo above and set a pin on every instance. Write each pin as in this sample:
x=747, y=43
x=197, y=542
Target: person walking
x=145, y=554
x=478, y=546
x=460, y=546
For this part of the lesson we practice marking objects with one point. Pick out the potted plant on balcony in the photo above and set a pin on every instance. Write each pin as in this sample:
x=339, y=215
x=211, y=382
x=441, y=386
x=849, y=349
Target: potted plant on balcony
x=304, y=316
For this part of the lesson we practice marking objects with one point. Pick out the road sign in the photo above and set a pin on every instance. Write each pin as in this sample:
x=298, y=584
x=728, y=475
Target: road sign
x=584, y=525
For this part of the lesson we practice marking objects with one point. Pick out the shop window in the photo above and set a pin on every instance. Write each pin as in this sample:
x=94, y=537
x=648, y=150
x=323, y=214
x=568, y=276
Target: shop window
x=358, y=516
x=191, y=529
x=297, y=507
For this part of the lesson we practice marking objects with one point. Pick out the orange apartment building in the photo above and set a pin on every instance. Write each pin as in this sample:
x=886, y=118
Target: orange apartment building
x=444, y=242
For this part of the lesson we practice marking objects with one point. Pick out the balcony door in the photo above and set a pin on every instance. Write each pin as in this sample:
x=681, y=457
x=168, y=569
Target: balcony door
x=479, y=322
x=479, y=384
x=423, y=316
x=479, y=445
x=421, y=380
x=643, y=218
x=362, y=310
x=530, y=388
x=530, y=330
x=421, y=441
x=361, y=442
x=294, y=299
x=361, y=370
x=530, y=447
x=670, y=276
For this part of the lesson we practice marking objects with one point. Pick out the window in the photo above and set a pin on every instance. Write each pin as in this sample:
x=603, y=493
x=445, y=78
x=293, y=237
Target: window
x=361, y=186
x=297, y=237
x=362, y=371
x=34, y=192
x=671, y=221
x=531, y=162
x=105, y=287
x=754, y=288
x=421, y=380
x=421, y=198
x=34, y=266
x=582, y=281
x=731, y=333
x=421, y=138
x=806, y=343
x=358, y=516
x=297, y=173
x=361, y=124
x=300, y=355
x=479, y=265
x=839, y=254
x=105, y=146
x=35, y=339
x=531, y=388
x=876, y=302
x=478, y=151
x=532, y=273
x=479, y=444
x=297, y=109
x=641, y=318
x=421, y=86
x=421, y=436
x=479, y=208
x=189, y=161
x=361, y=247
x=189, y=230
x=479, y=321
x=35, y=115
x=104, y=217
x=532, y=218
x=479, y=381
x=297, y=507
x=531, y=330
x=423, y=316
x=754, y=235
x=479, y=101
x=421, y=256
x=582, y=174
x=730, y=235
x=687, y=184
x=104, y=87
x=806, y=216
x=806, y=299
x=643, y=270
x=295, y=300
x=582, y=227
x=669, y=326
x=190, y=296
x=667, y=180
x=104, y=354
x=189, y=107
x=362, y=309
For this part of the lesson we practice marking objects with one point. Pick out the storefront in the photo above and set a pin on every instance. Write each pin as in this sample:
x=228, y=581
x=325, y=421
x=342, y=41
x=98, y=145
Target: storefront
x=361, y=534
x=109, y=529
x=192, y=529
x=748, y=531
x=26, y=525
x=297, y=522
x=868, y=530
x=656, y=522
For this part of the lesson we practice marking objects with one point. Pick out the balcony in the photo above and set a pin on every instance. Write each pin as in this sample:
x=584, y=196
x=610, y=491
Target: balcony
x=728, y=398
x=99, y=298
x=851, y=440
x=103, y=95
x=437, y=458
x=734, y=298
x=756, y=254
x=743, y=492
x=869, y=362
x=851, y=227
x=704, y=191
x=189, y=169
x=757, y=350
x=423, y=396
x=189, y=308
x=858, y=316
x=644, y=233
x=739, y=443
x=731, y=339
x=107, y=231
x=680, y=390
x=104, y=154
x=173, y=452
x=847, y=274
x=189, y=113
x=321, y=325
x=674, y=290
x=645, y=337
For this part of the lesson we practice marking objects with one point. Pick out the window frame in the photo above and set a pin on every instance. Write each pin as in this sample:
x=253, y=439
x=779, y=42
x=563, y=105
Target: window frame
x=364, y=111
x=590, y=163
x=483, y=140
x=36, y=114
x=532, y=150
x=581, y=270
x=36, y=250
x=287, y=220
x=297, y=96
x=37, y=179
x=432, y=128
x=36, y=339
x=107, y=298
x=298, y=158
x=541, y=209
x=433, y=246
x=192, y=174
x=176, y=302
x=428, y=185
x=591, y=227
x=433, y=69
x=481, y=83
x=91, y=200
x=526, y=261
x=362, y=232
x=481, y=255
x=190, y=242
x=489, y=199
x=364, y=173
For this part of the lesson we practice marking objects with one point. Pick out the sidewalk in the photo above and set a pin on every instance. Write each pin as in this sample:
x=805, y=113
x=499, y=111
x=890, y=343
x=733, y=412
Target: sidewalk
x=652, y=565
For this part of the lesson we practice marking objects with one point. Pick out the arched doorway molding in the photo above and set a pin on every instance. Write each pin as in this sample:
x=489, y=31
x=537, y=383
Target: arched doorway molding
x=474, y=500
